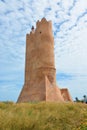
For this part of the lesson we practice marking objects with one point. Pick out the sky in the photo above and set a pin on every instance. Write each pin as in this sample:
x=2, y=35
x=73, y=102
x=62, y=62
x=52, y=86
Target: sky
x=69, y=22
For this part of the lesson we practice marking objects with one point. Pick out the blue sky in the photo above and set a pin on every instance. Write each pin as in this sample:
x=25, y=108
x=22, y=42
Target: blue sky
x=69, y=19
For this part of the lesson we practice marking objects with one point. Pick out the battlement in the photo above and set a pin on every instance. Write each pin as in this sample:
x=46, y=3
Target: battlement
x=40, y=25
x=43, y=21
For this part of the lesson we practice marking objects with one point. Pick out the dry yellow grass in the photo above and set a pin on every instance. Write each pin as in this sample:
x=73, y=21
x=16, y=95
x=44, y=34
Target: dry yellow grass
x=43, y=116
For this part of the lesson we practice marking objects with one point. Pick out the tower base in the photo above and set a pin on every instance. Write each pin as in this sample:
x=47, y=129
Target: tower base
x=43, y=92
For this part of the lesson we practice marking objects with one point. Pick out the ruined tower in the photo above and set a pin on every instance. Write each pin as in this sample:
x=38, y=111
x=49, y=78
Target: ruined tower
x=40, y=72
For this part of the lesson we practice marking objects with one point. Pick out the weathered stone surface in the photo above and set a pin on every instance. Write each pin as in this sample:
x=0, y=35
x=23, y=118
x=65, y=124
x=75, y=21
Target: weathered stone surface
x=40, y=72
x=65, y=94
x=52, y=92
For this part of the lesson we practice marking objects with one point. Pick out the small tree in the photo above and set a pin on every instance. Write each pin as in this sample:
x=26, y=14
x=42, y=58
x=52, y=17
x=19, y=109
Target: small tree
x=85, y=99
x=77, y=100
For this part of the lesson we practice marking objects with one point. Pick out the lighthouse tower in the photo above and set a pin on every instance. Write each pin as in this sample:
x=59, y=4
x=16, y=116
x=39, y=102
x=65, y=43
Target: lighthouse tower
x=40, y=72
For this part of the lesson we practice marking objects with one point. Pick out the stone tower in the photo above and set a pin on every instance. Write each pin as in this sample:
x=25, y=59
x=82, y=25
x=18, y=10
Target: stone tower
x=40, y=72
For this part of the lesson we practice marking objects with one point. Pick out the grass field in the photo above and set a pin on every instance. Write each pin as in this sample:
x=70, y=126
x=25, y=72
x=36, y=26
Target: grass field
x=43, y=116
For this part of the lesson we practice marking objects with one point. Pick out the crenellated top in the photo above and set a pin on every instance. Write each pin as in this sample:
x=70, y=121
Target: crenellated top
x=43, y=21
x=40, y=25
